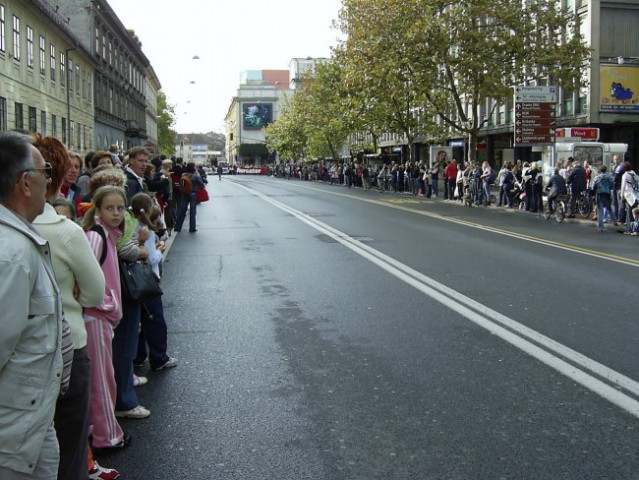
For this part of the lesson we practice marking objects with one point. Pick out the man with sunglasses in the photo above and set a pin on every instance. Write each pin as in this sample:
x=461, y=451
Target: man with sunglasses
x=31, y=364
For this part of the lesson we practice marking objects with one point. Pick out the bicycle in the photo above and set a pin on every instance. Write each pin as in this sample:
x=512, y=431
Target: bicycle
x=560, y=209
x=584, y=204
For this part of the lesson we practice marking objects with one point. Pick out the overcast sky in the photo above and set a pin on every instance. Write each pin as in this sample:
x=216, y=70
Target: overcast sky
x=229, y=37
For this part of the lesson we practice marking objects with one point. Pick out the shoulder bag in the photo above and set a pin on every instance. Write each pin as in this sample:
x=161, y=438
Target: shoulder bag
x=138, y=280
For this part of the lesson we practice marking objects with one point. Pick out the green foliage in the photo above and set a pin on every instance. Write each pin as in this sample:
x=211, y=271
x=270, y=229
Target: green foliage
x=314, y=122
x=166, y=120
x=416, y=61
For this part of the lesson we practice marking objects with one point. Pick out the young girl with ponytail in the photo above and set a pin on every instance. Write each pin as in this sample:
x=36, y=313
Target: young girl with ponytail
x=153, y=331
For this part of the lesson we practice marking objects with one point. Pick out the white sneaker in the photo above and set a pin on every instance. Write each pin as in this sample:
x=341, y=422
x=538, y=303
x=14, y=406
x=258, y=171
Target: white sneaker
x=170, y=363
x=139, y=381
x=137, y=412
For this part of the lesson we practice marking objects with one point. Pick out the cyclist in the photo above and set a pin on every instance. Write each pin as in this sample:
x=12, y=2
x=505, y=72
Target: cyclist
x=556, y=186
x=577, y=182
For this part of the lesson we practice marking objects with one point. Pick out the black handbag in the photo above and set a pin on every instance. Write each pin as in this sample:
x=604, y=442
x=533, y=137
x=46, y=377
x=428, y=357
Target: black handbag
x=139, y=282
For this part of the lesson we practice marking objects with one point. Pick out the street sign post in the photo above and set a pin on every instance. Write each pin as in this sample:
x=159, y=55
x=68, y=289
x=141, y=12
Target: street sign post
x=535, y=115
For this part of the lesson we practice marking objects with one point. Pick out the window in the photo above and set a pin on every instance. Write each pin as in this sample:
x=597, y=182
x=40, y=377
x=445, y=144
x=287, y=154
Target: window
x=64, y=130
x=70, y=76
x=110, y=54
x=54, y=125
x=29, y=46
x=43, y=123
x=71, y=130
x=33, y=119
x=63, y=68
x=3, y=113
x=16, y=38
x=77, y=79
x=19, y=116
x=104, y=46
x=42, y=59
x=97, y=40
x=2, y=46
x=52, y=56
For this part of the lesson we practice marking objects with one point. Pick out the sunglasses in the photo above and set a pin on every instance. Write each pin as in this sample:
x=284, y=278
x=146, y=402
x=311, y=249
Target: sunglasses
x=47, y=170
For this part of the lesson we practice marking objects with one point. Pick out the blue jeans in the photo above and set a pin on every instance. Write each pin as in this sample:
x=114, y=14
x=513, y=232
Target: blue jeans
x=435, y=184
x=187, y=202
x=487, y=191
x=152, y=333
x=505, y=197
x=603, y=205
x=125, y=344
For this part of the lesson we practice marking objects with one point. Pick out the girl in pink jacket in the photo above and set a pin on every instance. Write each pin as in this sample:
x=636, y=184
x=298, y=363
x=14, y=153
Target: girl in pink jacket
x=103, y=225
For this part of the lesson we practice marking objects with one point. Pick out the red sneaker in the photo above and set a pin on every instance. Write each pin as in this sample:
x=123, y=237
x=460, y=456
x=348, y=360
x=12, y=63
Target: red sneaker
x=101, y=473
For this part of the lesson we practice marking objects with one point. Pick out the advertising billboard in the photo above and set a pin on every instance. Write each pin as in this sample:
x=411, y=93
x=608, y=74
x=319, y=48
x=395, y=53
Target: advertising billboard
x=619, y=88
x=256, y=115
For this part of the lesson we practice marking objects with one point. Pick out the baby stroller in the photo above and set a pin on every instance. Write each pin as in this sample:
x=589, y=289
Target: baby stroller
x=518, y=194
x=470, y=190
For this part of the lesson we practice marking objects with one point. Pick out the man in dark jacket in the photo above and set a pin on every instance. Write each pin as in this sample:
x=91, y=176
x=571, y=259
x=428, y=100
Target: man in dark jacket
x=577, y=182
x=556, y=186
x=135, y=170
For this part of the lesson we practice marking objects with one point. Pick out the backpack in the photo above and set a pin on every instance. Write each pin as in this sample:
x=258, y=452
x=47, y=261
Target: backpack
x=604, y=185
x=100, y=231
x=186, y=184
x=509, y=178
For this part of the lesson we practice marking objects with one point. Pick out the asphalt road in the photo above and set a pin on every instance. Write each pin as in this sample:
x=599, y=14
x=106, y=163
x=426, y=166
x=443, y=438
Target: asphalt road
x=332, y=333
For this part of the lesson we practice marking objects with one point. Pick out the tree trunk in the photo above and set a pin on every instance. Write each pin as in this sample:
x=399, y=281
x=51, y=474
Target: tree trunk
x=472, y=145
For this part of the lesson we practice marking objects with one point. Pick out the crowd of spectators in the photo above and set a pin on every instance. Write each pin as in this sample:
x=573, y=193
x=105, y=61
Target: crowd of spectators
x=71, y=335
x=518, y=184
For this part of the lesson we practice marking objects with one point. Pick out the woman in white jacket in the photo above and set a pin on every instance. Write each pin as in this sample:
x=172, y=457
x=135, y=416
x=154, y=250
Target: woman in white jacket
x=627, y=194
x=81, y=283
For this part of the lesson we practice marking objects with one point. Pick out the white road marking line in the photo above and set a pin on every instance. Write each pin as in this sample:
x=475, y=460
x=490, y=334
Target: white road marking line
x=548, y=243
x=504, y=327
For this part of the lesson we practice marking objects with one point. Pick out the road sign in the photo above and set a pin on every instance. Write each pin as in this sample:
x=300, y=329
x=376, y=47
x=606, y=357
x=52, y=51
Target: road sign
x=536, y=94
x=535, y=115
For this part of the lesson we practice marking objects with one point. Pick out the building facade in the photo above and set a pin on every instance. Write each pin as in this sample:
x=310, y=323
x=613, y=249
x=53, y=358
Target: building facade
x=46, y=75
x=300, y=67
x=259, y=101
x=121, y=66
x=152, y=87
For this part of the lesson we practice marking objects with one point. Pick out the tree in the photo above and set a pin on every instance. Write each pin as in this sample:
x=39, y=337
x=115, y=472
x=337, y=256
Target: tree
x=324, y=110
x=287, y=135
x=313, y=123
x=481, y=49
x=167, y=137
x=461, y=59
x=376, y=57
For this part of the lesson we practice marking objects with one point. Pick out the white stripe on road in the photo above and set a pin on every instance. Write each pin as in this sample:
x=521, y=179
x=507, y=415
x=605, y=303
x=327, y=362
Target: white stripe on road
x=388, y=203
x=605, y=382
